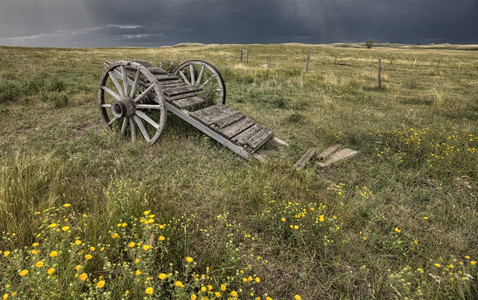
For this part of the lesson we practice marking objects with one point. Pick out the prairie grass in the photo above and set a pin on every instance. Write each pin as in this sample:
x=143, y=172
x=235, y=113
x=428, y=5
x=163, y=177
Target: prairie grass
x=85, y=213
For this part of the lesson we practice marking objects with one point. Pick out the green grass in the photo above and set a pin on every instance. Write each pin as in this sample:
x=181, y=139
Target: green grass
x=397, y=220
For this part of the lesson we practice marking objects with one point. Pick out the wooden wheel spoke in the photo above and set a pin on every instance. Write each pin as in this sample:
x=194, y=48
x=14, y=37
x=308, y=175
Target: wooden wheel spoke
x=148, y=106
x=111, y=93
x=117, y=84
x=141, y=128
x=106, y=105
x=184, y=77
x=201, y=73
x=145, y=117
x=135, y=84
x=191, y=70
x=125, y=80
x=112, y=121
x=133, y=129
x=143, y=94
x=123, y=127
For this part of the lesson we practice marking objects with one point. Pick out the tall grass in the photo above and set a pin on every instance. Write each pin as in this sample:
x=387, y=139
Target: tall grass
x=186, y=218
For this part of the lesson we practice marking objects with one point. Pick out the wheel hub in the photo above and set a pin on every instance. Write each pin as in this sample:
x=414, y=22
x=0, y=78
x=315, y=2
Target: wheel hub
x=123, y=108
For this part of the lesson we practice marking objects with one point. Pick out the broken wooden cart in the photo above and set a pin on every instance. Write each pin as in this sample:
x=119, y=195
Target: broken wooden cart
x=136, y=95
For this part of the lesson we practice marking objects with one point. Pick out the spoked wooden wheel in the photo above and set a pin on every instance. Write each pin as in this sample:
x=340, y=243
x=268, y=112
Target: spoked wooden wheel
x=131, y=99
x=204, y=75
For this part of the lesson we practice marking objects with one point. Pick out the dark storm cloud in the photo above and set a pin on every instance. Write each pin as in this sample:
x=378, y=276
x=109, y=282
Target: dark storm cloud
x=146, y=23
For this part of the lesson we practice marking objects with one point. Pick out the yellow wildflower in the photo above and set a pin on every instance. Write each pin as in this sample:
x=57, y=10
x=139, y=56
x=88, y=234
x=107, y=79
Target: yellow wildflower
x=83, y=276
x=223, y=287
x=161, y=238
x=146, y=247
x=35, y=251
x=52, y=225
x=88, y=256
x=437, y=265
x=6, y=253
x=234, y=294
x=100, y=284
x=23, y=272
x=193, y=297
x=53, y=253
x=283, y=219
x=162, y=276
x=149, y=290
x=473, y=262
x=35, y=244
x=398, y=230
x=217, y=294
x=203, y=289
x=51, y=271
x=258, y=280
x=39, y=264
x=189, y=259
x=132, y=244
x=178, y=284
x=5, y=296
x=297, y=297
x=321, y=218
x=66, y=205
x=137, y=272
x=115, y=235
x=77, y=242
x=146, y=212
x=92, y=248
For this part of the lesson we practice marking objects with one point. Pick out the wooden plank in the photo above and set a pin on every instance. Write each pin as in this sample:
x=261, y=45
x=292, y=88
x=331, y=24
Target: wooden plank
x=214, y=135
x=211, y=114
x=228, y=120
x=181, y=90
x=188, y=102
x=279, y=142
x=324, y=154
x=259, y=139
x=305, y=158
x=242, y=138
x=338, y=156
x=182, y=96
x=163, y=77
x=236, y=128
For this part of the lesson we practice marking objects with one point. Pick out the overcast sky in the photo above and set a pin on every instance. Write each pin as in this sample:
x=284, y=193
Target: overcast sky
x=151, y=23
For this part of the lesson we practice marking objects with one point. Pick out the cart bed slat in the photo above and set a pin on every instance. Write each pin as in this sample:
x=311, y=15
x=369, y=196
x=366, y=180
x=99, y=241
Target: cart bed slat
x=188, y=102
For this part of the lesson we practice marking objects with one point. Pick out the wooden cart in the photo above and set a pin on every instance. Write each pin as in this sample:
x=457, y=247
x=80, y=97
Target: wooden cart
x=134, y=97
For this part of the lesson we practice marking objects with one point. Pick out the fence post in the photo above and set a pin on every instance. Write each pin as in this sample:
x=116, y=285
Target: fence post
x=415, y=62
x=269, y=61
x=391, y=61
x=369, y=60
x=307, y=65
x=335, y=61
x=247, y=56
x=459, y=65
x=379, y=73
x=241, y=55
x=323, y=60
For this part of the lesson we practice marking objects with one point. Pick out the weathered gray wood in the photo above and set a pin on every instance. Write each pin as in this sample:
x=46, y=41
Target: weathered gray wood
x=179, y=97
x=180, y=90
x=379, y=73
x=338, y=156
x=142, y=129
x=279, y=142
x=214, y=135
x=305, y=158
x=236, y=128
x=324, y=154
x=188, y=102
x=163, y=77
x=156, y=70
x=211, y=114
x=259, y=139
x=242, y=138
x=307, y=65
x=228, y=120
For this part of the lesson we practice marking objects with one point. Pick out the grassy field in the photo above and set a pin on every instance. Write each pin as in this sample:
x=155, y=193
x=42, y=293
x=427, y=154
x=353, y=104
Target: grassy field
x=86, y=213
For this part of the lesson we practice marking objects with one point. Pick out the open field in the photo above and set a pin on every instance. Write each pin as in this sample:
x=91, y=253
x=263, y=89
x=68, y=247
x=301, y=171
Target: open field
x=188, y=217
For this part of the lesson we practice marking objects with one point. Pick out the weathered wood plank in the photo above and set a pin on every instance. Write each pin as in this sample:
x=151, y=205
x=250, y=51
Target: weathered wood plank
x=181, y=90
x=338, y=156
x=242, y=138
x=222, y=140
x=228, y=120
x=163, y=77
x=324, y=154
x=212, y=114
x=188, y=102
x=236, y=128
x=259, y=139
x=179, y=97
x=305, y=158
x=279, y=142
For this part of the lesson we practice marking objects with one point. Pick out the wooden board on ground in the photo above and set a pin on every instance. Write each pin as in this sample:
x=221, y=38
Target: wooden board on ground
x=212, y=114
x=259, y=139
x=338, y=156
x=305, y=158
x=188, y=102
x=236, y=128
x=324, y=154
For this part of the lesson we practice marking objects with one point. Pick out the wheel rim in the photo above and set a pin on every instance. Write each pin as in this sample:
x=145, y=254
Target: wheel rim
x=203, y=74
x=131, y=101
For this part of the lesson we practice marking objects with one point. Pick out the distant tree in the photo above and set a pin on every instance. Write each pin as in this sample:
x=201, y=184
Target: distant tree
x=369, y=44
